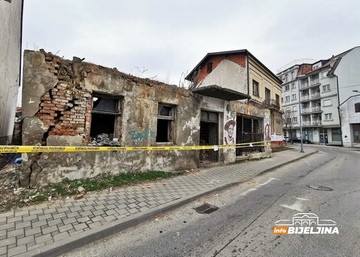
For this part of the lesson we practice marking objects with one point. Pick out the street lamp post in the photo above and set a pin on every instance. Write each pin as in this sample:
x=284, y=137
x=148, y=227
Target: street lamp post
x=301, y=132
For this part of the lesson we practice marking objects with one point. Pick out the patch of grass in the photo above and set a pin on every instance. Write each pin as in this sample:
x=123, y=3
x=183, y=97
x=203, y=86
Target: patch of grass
x=104, y=181
x=40, y=198
x=280, y=149
x=69, y=188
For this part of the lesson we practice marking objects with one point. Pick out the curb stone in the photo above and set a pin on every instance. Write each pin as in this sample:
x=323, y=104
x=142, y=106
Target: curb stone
x=111, y=228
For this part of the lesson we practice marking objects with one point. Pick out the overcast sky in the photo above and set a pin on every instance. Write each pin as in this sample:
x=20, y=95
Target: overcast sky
x=164, y=39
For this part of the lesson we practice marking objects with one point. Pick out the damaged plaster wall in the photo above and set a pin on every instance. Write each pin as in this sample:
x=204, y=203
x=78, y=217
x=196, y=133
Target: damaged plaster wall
x=57, y=104
x=228, y=74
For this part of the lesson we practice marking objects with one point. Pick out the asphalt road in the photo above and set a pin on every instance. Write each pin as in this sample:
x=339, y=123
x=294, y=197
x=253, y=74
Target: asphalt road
x=242, y=226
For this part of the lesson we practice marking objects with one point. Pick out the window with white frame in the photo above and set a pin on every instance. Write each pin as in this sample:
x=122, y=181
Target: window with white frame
x=165, y=124
x=326, y=88
x=293, y=96
x=324, y=74
x=295, y=108
x=287, y=88
x=287, y=98
x=328, y=116
x=327, y=102
x=293, y=86
x=293, y=75
x=295, y=120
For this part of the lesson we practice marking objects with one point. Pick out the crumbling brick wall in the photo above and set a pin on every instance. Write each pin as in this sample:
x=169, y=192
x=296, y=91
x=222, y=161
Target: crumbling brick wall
x=58, y=107
x=66, y=111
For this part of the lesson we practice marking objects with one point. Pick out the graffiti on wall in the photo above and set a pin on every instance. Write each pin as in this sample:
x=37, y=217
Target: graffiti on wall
x=142, y=136
x=229, y=128
x=267, y=129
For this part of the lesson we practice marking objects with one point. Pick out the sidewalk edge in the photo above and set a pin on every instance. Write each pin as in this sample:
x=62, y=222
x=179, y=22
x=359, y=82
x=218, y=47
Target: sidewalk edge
x=111, y=228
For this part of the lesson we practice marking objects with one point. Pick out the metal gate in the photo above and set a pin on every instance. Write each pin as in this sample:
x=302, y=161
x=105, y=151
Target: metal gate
x=248, y=130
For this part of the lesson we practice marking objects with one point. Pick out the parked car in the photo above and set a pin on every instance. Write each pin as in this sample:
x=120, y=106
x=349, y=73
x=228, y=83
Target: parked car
x=298, y=140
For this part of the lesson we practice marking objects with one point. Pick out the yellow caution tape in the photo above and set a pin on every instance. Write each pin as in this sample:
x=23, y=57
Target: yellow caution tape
x=70, y=149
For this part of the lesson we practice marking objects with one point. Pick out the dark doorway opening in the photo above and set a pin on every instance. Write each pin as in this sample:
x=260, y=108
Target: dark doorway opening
x=209, y=136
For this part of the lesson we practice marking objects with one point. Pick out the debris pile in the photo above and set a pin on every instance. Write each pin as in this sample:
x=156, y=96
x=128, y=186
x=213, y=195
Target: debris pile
x=104, y=139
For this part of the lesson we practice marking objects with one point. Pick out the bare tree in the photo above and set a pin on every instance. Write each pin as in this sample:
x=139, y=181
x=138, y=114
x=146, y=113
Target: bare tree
x=183, y=83
x=289, y=123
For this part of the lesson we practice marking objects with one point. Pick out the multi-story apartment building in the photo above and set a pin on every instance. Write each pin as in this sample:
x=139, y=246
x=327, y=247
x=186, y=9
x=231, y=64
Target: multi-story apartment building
x=290, y=96
x=317, y=92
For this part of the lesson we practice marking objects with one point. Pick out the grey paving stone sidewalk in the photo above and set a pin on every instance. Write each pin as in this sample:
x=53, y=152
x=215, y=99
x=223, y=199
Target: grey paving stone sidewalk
x=52, y=229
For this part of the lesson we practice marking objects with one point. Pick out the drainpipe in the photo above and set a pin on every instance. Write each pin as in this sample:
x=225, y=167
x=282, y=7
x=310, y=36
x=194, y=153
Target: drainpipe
x=338, y=95
x=248, y=80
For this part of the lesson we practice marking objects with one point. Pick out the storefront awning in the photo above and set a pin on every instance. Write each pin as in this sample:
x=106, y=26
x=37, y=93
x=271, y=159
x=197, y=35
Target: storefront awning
x=220, y=93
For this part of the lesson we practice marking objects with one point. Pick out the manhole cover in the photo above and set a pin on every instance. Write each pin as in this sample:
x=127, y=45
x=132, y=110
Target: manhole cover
x=320, y=188
x=206, y=208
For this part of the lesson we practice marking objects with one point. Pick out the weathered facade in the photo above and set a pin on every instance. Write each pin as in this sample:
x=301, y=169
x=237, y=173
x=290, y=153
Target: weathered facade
x=77, y=103
x=254, y=92
x=10, y=49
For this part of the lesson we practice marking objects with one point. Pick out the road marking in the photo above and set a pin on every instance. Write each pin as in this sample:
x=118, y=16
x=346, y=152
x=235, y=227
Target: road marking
x=258, y=186
x=297, y=206
x=302, y=199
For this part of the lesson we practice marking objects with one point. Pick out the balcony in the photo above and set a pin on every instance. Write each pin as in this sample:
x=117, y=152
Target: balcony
x=316, y=109
x=305, y=98
x=314, y=83
x=272, y=104
x=311, y=110
x=305, y=110
x=304, y=86
x=316, y=123
x=315, y=96
x=306, y=123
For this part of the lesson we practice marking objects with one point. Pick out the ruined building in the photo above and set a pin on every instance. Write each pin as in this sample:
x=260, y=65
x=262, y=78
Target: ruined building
x=77, y=103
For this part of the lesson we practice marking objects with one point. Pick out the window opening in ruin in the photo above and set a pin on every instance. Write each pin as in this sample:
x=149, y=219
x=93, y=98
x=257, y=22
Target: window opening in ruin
x=102, y=123
x=165, y=124
x=248, y=130
x=209, y=67
x=104, y=114
x=209, y=135
x=357, y=107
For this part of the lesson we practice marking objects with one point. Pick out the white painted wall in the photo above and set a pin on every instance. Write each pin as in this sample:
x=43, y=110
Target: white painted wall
x=349, y=80
x=10, y=47
x=349, y=116
x=333, y=95
x=228, y=74
x=348, y=73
